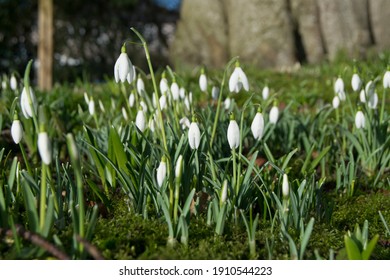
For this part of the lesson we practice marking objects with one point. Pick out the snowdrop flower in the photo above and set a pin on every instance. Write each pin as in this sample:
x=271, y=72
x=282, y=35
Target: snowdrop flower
x=386, y=78
x=140, y=120
x=163, y=102
x=194, y=135
x=265, y=92
x=163, y=84
x=28, y=109
x=215, y=92
x=152, y=124
x=356, y=82
x=140, y=85
x=4, y=85
x=182, y=93
x=175, y=90
x=336, y=102
x=233, y=133
x=373, y=101
x=91, y=107
x=131, y=76
x=203, y=81
x=13, y=82
x=359, y=119
x=370, y=89
x=227, y=103
x=274, y=114
x=101, y=105
x=161, y=171
x=16, y=130
x=44, y=147
x=187, y=103
x=124, y=114
x=341, y=95
x=179, y=167
x=238, y=80
x=339, y=85
x=123, y=67
x=131, y=100
x=362, y=96
x=185, y=123
x=285, y=186
x=257, y=126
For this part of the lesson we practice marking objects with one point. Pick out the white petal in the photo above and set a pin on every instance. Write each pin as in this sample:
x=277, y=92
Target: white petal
x=179, y=166
x=131, y=100
x=243, y=79
x=386, y=79
x=339, y=85
x=140, y=86
x=362, y=96
x=356, y=82
x=91, y=107
x=285, y=186
x=44, y=147
x=341, y=95
x=373, y=101
x=274, y=115
x=161, y=173
x=233, y=80
x=17, y=131
x=27, y=109
x=233, y=134
x=175, y=91
x=203, y=82
x=140, y=120
x=257, y=126
x=265, y=92
x=359, y=119
x=194, y=136
x=336, y=102
x=163, y=85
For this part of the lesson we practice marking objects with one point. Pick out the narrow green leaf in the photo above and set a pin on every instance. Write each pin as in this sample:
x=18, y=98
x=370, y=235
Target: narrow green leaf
x=370, y=248
x=352, y=249
x=305, y=238
x=319, y=157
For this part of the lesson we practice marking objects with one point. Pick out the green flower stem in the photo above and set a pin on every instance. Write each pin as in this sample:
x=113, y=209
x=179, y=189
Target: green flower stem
x=213, y=174
x=382, y=106
x=123, y=91
x=145, y=46
x=234, y=184
x=42, y=201
x=27, y=87
x=176, y=205
x=25, y=159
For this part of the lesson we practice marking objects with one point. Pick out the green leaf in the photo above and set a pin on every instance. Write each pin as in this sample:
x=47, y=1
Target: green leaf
x=187, y=204
x=318, y=159
x=31, y=206
x=370, y=247
x=306, y=237
x=353, y=251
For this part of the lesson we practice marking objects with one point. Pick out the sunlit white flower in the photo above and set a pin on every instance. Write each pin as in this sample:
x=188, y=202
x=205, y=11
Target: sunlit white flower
x=123, y=66
x=370, y=89
x=13, y=83
x=152, y=125
x=163, y=102
x=215, y=92
x=44, y=147
x=203, y=82
x=182, y=93
x=362, y=96
x=356, y=82
x=140, y=120
x=360, y=119
x=163, y=84
x=161, y=172
x=285, y=186
x=233, y=133
x=124, y=114
x=373, y=101
x=143, y=106
x=336, y=102
x=140, y=85
x=265, y=92
x=91, y=107
x=274, y=114
x=185, y=123
x=175, y=91
x=238, y=80
x=28, y=109
x=131, y=76
x=257, y=126
x=386, y=79
x=227, y=103
x=194, y=135
x=339, y=86
x=17, y=131
x=131, y=100
x=179, y=167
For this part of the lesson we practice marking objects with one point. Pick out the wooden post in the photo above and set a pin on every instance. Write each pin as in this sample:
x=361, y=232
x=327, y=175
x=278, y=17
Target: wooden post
x=45, y=44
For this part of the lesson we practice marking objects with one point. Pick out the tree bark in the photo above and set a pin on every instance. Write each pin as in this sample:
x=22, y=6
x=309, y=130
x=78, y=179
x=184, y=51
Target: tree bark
x=45, y=44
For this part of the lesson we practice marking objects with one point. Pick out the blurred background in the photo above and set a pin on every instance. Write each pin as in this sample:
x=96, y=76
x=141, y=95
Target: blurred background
x=73, y=39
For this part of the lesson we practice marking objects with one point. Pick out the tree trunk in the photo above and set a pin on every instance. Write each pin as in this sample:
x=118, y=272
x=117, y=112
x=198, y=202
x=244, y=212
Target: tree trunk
x=45, y=44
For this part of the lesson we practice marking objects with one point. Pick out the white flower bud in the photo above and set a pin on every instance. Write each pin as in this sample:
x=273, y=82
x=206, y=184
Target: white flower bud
x=27, y=109
x=140, y=120
x=185, y=123
x=233, y=134
x=140, y=86
x=175, y=91
x=356, y=82
x=44, y=147
x=274, y=114
x=13, y=83
x=362, y=96
x=373, y=101
x=203, y=82
x=179, y=167
x=265, y=92
x=339, y=85
x=285, y=186
x=194, y=136
x=386, y=79
x=161, y=172
x=257, y=126
x=91, y=107
x=336, y=102
x=163, y=85
x=131, y=100
x=124, y=114
x=17, y=131
x=360, y=120
x=215, y=92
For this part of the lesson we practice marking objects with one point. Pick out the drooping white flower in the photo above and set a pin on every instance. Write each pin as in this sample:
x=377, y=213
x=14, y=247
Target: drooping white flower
x=194, y=135
x=140, y=85
x=360, y=119
x=203, y=82
x=182, y=93
x=187, y=103
x=175, y=91
x=179, y=167
x=124, y=114
x=336, y=102
x=140, y=120
x=28, y=109
x=152, y=125
x=44, y=147
x=362, y=96
x=257, y=126
x=163, y=102
x=238, y=80
x=285, y=186
x=274, y=114
x=17, y=131
x=91, y=106
x=215, y=92
x=373, y=101
x=341, y=95
x=13, y=83
x=339, y=86
x=233, y=133
x=163, y=84
x=386, y=79
x=131, y=100
x=185, y=123
x=227, y=103
x=370, y=89
x=265, y=92
x=356, y=82
x=161, y=172
x=123, y=66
